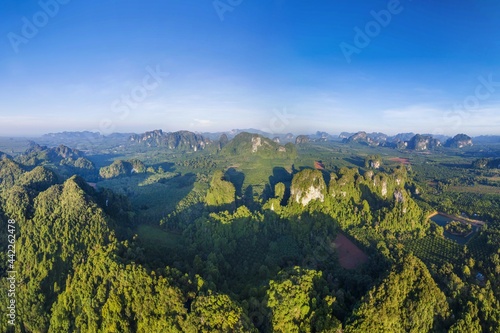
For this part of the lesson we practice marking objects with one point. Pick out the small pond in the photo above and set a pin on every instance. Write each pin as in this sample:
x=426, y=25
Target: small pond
x=442, y=221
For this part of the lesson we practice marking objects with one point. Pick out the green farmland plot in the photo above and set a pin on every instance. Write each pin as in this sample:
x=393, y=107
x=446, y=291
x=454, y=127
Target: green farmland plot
x=436, y=250
x=153, y=195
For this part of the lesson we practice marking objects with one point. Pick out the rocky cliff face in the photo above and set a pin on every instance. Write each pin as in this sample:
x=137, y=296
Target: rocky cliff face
x=484, y=163
x=311, y=193
x=181, y=140
x=371, y=139
x=345, y=135
x=301, y=139
x=423, y=142
x=223, y=140
x=459, y=141
x=256, y=143
x=402, y=137
x=360, y=137
x=308, y=185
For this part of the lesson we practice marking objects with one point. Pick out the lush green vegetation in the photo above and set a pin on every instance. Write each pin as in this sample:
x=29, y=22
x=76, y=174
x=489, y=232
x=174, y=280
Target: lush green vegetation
x=458, y=228
x=122, y=168
x=241, y=238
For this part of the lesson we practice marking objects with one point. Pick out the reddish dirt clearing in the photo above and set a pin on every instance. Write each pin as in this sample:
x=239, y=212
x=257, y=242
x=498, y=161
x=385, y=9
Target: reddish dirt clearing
x=350, y=256
x=401, y=160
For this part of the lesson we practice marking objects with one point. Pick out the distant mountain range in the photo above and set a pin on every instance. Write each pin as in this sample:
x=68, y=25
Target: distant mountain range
x=418, y=142
x=191, y=141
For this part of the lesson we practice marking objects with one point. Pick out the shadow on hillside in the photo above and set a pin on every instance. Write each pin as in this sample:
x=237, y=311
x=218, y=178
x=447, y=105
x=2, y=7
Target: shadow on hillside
x=166, y=166
x=151, y=201
x=280, y=175
x=237, y=178
x=102, y=160
x=249, y=198
x=356, y=161
x=253, y=253
x=457, y=165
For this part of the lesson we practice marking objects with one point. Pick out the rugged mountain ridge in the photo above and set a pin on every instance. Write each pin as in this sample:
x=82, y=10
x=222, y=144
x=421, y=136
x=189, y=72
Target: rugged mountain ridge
x=180, y=140
x=60, y=155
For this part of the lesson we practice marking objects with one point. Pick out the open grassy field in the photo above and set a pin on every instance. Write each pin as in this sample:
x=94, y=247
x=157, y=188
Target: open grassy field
x=157, y=237
x=478, y=189
x=152, y=195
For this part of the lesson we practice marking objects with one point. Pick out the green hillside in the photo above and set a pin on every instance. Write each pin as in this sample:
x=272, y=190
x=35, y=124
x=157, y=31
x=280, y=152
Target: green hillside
x=249, y=238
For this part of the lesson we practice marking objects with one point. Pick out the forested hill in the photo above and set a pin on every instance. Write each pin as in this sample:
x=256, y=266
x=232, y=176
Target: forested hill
x=256, y=145
x=344, y=250
x=65, y=160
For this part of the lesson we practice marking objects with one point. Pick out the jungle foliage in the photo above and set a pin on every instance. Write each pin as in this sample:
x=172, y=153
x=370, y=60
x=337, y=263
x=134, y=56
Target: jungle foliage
x=191, y=246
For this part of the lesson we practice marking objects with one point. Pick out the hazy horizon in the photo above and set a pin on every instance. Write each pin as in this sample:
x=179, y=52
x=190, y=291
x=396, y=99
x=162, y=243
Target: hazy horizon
x=375, y=66
x=251, y=130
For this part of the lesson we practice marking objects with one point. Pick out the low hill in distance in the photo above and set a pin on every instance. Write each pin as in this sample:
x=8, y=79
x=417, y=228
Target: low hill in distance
x=257, y=145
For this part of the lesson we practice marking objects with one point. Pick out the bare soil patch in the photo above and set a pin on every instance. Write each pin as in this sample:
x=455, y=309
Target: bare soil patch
x=401, y=160
x=350, y=256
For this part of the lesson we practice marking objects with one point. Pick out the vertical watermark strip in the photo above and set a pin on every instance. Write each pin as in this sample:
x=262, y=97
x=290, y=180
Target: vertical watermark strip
x=11, y=272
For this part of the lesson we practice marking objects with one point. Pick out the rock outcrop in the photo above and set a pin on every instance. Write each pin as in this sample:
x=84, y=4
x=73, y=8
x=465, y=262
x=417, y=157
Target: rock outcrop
x=371, y=139
x=360, y=137
x=223, y=140
x=308, y=185
x=301, y=139
x=459, y=141
x=423, y=142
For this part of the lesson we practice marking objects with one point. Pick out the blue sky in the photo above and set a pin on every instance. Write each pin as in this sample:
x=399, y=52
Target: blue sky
x=284, y=66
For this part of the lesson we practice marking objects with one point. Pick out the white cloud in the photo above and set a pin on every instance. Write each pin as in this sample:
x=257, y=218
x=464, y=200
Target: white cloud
x=202, y=122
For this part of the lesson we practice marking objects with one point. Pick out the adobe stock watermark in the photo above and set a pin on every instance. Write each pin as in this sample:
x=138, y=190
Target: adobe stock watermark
x=32, y=26
x=484, y=90
x=223, y=6
x=279, y=122
x=12, y=274
x=363, y=37
x=122, y=106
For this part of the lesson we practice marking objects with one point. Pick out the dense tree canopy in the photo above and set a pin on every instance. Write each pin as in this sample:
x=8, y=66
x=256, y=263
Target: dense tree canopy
x=223, y=258
x=408, y=300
